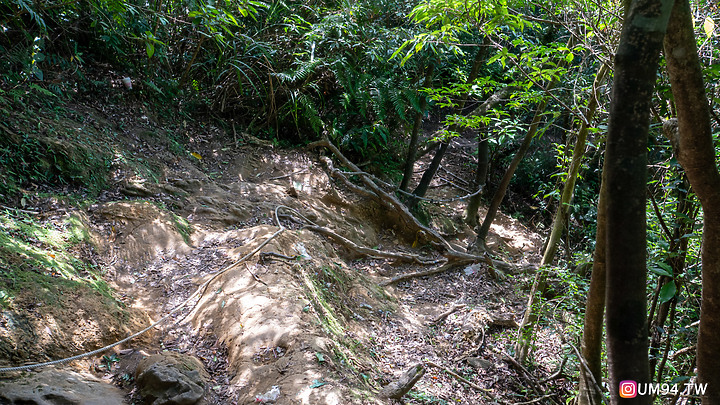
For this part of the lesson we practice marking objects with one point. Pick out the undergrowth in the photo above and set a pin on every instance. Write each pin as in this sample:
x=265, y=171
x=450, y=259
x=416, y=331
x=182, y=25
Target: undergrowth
x=39, y=256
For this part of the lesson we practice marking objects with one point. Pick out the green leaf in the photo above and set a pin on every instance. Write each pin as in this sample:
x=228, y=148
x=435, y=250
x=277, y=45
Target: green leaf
x=150, y=49
x=661, y=269
x=667, y=292
x=37, y=72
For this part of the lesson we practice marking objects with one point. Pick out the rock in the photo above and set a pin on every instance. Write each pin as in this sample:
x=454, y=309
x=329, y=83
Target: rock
x=397, y=389
x=478, y=363
x=52, y=387
x=137, y=190
x=171, y=379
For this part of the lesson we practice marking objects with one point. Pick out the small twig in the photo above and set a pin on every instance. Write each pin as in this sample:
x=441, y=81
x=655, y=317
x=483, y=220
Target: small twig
x=408, y=276
x=20, y=210
x=530, y=378
x=264, y=255
x=447, y=313
x=659, y=216
x=535, y=400
x=254, y=275
x=453, y=184
x=458, y=377
x=453, y=175
x=587, y=370
x=682, y=351
x=234, y=133
x=556, y=374
x=288, y=175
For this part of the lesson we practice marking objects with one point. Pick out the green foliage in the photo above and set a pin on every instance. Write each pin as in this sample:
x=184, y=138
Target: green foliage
x=38, y=256
x=30, y=158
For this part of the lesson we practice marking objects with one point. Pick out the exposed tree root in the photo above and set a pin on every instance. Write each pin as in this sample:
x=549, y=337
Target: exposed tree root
x=453, y=256
x=403, y=257
x=397, y=389
x=445, y=267
x=386, y=199
x=458, y=377
x=447, y=313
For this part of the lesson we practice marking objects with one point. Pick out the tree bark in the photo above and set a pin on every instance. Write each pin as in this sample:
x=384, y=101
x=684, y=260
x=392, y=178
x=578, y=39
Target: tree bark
x=636, y=63
x=471, y=212
x=694, y=149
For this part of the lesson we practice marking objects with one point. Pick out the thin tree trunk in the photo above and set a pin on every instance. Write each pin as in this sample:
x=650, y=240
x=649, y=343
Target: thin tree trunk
x=427, y=177
x=471, y=212
x=636, y=63
x=694, y=149
x=525, y=331
x=185, y=74
x=502, y=188
x=412, y=147
x=684, y=220
x=588, y=393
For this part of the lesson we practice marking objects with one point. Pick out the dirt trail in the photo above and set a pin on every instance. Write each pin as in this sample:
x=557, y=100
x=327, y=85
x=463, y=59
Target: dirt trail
x=312, y=318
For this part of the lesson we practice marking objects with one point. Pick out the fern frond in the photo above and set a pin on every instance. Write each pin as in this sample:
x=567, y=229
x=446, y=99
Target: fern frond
x=397, y=97
x=301, y=73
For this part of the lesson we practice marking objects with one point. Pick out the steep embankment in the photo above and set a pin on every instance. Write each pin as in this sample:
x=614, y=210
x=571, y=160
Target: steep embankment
x=304, y=314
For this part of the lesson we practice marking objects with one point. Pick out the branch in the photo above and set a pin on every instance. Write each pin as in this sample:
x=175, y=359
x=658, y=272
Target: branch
x=459, y=378
x=445, y=267
x=403, y=257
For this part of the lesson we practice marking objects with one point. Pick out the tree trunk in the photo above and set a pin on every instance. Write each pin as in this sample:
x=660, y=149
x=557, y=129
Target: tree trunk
x=471, y=212
x=502, y=188
x=591, y=347
x=683, y=221
x=694, y=149
x=527, y=325
x=427, y=177
x=412, y=147
x=636, y=63
x=471, y=215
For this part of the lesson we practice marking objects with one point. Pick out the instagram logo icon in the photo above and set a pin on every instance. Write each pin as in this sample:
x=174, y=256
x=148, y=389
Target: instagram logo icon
x=628, y=389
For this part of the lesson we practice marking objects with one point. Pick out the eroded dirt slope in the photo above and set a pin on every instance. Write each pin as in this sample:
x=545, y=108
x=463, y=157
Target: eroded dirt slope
x=304, y=314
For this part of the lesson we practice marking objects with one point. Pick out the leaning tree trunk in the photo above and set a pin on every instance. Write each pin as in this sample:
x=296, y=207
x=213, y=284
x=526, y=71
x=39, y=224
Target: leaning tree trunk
x=471, y=211
x=525, y=331
x=429, y=173
x=414, y=136
x=694, y=149
x=502, y=187
x=636, y=63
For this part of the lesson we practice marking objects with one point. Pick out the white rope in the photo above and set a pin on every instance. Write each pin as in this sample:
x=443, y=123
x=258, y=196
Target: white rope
x=169, y=314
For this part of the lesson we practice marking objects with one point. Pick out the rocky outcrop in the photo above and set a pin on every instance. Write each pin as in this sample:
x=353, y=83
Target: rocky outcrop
x=171, y=379
x=55, y=387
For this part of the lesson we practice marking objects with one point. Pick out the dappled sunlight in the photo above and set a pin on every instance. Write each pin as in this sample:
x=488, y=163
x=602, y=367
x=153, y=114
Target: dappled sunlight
x=516, y=236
